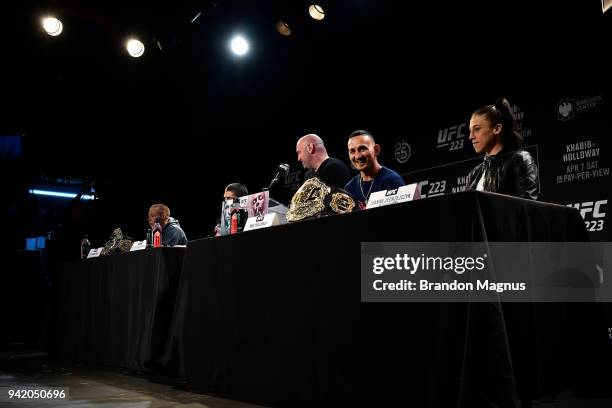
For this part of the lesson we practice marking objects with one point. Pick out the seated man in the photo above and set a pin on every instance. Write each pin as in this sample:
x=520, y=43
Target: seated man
x=363, y=154
x=172, y=234
x=311, y=152
x=235, y=190
x=232, y=192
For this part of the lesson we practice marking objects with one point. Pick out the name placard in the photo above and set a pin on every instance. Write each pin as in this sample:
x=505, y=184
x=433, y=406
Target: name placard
x=94, y=252
x=263, y=221
x=138, y=245
x=394, y=196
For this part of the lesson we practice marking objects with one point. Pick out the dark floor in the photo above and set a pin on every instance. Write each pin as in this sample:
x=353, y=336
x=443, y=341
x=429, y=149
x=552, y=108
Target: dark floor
x=97, y=386
x=94, y=386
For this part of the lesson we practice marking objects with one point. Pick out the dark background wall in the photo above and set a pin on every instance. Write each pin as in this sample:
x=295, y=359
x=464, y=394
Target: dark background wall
x=183, y=121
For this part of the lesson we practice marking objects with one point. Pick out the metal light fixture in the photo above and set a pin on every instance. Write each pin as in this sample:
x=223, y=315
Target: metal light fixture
x=239, y=45
x=52, y=26
x=316, y=12
x=135, y=47
x=283, y=28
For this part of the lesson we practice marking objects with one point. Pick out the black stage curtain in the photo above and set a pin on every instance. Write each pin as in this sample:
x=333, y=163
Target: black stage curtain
x=116, y=309
x=274, y=316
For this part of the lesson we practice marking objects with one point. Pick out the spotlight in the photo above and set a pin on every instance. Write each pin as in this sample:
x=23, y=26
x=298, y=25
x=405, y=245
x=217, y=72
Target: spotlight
x=52, y=26
x=316, y=12
x=239, y=45
x=283, y=28
x=135, y=48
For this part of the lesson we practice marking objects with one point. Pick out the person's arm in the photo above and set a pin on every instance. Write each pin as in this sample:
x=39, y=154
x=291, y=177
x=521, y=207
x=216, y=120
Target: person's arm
x=174, y=236
x=473, y=177
x=339, y=174
x=525, y=181
x=182, y=239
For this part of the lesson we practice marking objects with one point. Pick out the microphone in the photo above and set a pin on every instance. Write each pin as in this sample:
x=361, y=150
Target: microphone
x=283, y=169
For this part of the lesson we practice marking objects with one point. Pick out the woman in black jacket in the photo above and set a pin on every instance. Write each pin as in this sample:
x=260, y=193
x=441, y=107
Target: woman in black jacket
x=506, y=168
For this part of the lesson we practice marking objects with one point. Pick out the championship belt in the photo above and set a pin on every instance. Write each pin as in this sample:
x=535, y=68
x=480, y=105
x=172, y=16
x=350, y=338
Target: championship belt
x=117, y=243
x=314, y=199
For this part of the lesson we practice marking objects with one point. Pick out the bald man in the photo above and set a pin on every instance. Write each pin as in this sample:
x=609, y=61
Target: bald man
x=312, y=154
x=172, y=234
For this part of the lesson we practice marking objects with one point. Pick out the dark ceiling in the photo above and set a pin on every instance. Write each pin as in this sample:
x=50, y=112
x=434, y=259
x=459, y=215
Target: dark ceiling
x=83, y=87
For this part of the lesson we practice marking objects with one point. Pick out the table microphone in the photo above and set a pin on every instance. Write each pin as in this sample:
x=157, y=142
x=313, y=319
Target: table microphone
x=283, y=169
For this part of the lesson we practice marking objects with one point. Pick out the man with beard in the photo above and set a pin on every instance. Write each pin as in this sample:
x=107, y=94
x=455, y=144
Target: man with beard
x=363, y=154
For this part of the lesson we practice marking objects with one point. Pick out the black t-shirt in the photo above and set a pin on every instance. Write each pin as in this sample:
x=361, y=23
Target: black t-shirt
x=332, y=172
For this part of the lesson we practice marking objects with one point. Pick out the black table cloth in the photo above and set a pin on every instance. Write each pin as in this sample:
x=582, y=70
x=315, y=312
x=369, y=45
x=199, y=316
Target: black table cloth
x=274, y=316
x=116, y=309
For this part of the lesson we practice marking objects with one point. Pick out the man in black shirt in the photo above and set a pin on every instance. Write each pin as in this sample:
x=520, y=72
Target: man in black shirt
x=312, y=154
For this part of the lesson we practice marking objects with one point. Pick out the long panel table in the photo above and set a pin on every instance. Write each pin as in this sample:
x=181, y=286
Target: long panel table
x=274, y=316
x=116, y=310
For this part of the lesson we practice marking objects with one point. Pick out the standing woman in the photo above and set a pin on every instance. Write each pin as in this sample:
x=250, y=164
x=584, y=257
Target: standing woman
x=506, y=168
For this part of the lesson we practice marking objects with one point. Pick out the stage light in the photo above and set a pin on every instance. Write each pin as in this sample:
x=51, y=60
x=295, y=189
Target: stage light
x=606, y=5
x=316, y=12
x=52, y=26
x=135, y=48
x=60, y=194
x=283, y=28
x=239, y=45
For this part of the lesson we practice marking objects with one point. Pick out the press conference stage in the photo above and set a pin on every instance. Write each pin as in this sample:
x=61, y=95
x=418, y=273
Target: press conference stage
x=274, y=317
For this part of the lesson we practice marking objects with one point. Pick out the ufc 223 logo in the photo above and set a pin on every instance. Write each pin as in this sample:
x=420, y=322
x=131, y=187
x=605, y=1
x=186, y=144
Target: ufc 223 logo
x=593, y=214
x=431, y=188
x=452, y=137
x=293, y=180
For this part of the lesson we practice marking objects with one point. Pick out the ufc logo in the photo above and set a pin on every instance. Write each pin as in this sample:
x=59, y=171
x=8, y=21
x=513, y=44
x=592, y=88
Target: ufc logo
x=447, y=135
x=391, y=192
x=593, y=207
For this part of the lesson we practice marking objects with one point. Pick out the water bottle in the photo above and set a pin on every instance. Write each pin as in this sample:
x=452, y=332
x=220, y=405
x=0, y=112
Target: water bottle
x=235, y=222
x=85, y=246
x=149, y=238
x=157, y=235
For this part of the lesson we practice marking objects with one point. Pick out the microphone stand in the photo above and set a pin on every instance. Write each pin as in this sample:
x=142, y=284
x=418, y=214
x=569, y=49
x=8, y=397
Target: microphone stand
x=273, y=182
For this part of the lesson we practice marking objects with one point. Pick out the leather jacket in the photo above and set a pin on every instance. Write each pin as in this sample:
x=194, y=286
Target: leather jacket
x=508, y=172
